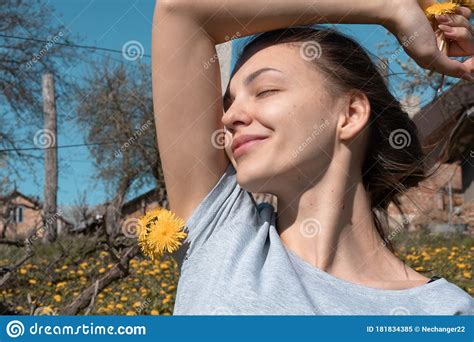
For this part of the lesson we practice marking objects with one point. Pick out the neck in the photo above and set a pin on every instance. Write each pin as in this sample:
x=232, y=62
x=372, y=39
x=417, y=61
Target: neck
x=330, y=225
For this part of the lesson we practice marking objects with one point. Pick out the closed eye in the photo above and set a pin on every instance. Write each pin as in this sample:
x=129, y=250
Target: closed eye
x=266, y=92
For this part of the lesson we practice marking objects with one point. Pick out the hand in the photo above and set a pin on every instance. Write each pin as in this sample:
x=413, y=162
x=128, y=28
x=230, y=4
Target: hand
x=414, y=31
x=458, y=30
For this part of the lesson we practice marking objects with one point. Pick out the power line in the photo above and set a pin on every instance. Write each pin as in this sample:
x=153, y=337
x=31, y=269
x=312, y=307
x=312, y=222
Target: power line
x=62, y=146
x=69, y=45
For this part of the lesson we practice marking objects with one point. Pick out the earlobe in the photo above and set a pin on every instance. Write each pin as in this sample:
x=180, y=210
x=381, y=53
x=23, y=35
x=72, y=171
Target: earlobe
x=355, y=116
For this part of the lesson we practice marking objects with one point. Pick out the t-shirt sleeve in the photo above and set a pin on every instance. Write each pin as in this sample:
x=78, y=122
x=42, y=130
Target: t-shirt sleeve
x=227, y=202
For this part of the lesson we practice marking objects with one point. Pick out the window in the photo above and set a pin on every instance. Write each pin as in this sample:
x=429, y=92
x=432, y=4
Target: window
x=19, y=214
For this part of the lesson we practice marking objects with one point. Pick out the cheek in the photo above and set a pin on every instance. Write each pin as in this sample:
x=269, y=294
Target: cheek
x=308, y=132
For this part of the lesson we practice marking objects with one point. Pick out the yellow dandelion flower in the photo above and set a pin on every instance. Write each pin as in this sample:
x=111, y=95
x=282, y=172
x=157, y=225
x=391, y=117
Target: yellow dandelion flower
x=465, y=3
x=461, y=266
x=123, y=298
x=160, y=231
x=130, y=313
x=102, y=270
x=433, y=8
x=32, y=281
x=467, y=274
x=57, y=298
x=419, y=268
x=154, y=312
x=119, y=306
x=441, y=8
x=22, y=271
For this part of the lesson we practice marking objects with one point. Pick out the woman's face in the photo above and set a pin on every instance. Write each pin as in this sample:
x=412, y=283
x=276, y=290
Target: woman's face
x=278, y=94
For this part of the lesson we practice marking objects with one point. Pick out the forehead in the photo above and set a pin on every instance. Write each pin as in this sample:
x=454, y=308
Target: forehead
x=284, y=57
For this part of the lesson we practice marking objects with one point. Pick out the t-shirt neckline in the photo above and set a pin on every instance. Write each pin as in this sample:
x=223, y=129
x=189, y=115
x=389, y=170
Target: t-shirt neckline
x=344, y=283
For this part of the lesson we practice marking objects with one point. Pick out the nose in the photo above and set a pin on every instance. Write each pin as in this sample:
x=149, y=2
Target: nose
x=234, y=117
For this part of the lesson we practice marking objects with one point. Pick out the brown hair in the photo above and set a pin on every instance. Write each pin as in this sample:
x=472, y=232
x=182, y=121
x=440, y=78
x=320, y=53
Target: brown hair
x=394, y=159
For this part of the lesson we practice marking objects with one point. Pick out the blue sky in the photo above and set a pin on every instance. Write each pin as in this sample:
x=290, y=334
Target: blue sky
x=110, y=24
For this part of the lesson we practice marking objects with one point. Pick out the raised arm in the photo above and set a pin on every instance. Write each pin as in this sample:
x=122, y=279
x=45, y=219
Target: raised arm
x=404, y=18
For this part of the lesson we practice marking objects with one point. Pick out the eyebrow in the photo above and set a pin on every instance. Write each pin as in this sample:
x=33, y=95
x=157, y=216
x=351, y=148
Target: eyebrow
x=249, y=79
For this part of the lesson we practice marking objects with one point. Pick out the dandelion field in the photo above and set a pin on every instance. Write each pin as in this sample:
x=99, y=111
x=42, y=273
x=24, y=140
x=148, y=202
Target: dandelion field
x=48, y=281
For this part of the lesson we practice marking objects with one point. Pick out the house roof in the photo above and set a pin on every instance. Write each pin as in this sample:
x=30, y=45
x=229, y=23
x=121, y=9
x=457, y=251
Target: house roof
x=436, y=121
x=15, y=193
x=34, y=201
x=151, y=193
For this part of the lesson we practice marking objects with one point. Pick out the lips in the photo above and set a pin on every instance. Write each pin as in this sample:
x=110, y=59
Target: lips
x=244, y=142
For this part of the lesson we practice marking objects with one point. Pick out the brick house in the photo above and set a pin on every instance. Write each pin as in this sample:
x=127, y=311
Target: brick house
x=21, y=216
x=444, y=202
x=138, y=206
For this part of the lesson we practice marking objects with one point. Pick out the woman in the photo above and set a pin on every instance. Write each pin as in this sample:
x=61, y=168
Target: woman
x=322, y=140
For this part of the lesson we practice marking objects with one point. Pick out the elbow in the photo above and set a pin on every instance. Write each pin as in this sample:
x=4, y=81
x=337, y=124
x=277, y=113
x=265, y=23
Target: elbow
x=198, y=11
x=178, y=6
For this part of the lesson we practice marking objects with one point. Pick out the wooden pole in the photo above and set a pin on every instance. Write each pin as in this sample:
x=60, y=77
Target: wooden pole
x=50, y=159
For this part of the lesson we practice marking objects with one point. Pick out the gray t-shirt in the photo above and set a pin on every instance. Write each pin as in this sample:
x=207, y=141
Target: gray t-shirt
x=236, y=264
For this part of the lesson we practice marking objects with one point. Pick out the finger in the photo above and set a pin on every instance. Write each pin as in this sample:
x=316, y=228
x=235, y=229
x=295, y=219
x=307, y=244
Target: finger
x=464, y=11
x=456, y=50
x=451, y=67
x=461, y=35
x=470, y=64
x=457, y=33
x=453, y=20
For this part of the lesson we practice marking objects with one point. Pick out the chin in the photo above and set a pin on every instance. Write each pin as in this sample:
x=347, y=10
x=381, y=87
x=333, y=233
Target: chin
x=250, y=176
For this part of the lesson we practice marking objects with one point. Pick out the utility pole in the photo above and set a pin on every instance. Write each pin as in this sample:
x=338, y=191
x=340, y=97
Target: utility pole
x=50, y=159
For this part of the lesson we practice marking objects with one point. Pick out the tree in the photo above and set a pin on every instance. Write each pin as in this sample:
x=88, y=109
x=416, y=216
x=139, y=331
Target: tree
x=118, y=115
x=30, y=45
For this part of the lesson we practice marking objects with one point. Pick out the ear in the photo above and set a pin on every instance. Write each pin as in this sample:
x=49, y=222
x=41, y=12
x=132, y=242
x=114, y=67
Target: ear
x=354, y=115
